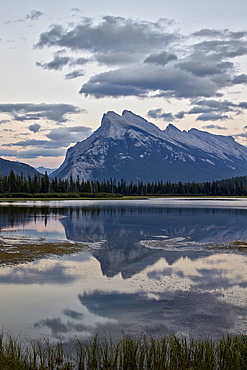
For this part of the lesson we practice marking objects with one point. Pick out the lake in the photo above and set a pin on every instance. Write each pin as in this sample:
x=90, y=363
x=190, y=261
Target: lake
x=156, y=266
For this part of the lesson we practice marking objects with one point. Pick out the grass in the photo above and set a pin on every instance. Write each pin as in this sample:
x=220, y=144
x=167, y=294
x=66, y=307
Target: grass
x=15, y=250
x=233, y=246
x=167, y=353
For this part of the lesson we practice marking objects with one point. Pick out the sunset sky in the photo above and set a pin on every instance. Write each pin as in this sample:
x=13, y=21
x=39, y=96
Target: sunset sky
x=65, y=63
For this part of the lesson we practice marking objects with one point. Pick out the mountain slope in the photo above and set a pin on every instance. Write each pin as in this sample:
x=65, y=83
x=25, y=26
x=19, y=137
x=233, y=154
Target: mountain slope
x=17, y=167
x=132, y=148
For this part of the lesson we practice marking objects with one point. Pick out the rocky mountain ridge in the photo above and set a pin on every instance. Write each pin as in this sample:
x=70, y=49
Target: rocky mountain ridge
x=128, y=146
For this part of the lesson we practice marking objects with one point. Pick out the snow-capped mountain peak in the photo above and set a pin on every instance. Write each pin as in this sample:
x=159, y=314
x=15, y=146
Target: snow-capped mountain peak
x=128, y=146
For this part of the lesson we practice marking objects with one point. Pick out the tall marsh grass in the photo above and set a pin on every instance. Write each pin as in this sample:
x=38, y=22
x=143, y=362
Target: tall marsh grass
x=167, y=353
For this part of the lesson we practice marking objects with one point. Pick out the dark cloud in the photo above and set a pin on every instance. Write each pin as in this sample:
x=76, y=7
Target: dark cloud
x=75, y=10
x=73, y=314
x=180, y=115
x=242, y=135
x=208, y=33
x=117, y=58
x=241, y=79
x=238, y=34
x=243, y=105
x=59, y=62
x=28, y=142
x=74, y=74
x=112, y=34
x=34, y=15
x=56, y=64
x=34, y=128
x=143, y=80
x=208, y=127
x=79, y=61
x=58, y=140
x=158, y=113
x=205, y=67
x=214, y=110
x=154, y=113
x=64, y=136
x=28, y=111
x=221, y=48
x=213, y=106
x=219, y=33
x=56, y=325
x=8, y=152
x=161, y=58
x=41, y=152
x=211, y=117
x=146, y=60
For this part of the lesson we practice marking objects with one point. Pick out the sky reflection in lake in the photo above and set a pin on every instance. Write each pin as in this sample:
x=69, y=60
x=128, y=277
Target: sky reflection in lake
x=144, y=266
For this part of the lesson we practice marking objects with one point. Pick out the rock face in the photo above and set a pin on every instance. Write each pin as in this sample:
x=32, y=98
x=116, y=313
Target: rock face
x=17, y=167
x=131, y=148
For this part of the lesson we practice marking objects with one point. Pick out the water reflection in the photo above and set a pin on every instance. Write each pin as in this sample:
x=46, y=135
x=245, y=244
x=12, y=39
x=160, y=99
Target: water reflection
x=146, y=268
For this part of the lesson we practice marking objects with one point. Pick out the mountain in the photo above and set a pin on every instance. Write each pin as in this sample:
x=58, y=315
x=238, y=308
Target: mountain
x=43, y=170
x=131, y=148
x=18, y=168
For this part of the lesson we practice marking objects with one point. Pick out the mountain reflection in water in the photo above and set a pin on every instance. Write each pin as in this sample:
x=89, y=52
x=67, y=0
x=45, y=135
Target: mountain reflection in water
x=146, y=268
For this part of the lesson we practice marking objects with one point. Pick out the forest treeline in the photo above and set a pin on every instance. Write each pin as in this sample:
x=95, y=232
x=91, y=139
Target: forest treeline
x=39, y=185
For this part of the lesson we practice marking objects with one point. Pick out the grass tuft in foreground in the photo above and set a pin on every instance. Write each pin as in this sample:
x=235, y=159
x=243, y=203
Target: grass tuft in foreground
x=167, y=353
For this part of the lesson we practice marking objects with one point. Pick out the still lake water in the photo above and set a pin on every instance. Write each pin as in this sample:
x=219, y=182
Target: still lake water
x=155, y=266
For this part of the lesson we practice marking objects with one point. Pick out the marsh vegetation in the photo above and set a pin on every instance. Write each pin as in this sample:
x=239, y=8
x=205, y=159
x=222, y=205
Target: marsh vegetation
x=169, y=352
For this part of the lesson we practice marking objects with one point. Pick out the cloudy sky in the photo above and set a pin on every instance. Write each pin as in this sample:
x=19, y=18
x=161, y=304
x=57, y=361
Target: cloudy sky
x=65, y=63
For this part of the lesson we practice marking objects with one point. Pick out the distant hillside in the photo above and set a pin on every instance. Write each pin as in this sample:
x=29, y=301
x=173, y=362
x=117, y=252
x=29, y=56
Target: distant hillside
x=44, y=170
x=17, y=167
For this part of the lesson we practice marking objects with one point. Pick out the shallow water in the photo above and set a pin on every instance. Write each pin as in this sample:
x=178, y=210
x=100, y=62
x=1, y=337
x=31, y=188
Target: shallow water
x=157, y=266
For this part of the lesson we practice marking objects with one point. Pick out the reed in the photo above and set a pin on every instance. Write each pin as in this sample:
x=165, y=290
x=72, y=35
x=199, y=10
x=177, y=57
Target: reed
x=100, y=353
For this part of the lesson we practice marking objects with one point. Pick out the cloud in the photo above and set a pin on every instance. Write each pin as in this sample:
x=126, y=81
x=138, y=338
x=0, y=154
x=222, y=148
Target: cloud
x=161, y=58
x=79, y=61
x=8, y=152
x=243, y=105
x=108, y=40
x=225, y=48
x=74, y=74
x=40, y=152
x=56, y=64
x=212, y=33
x=211, y=117
x=58, y=139
x=64, y=136
x=117, y=58
x=211, y=105
x=158, y=113
x=112, y=34
x=28, y=142
x=73, y=314
x=208, y=127
x=180, y=115
x=158, y=62
x=34, y=15
x=202, y=67
x=34, y=128
x=213, y=110
x=205, y=32
x=28, y=111
x=241, y=79
x=75, y=9
x=145, y=80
